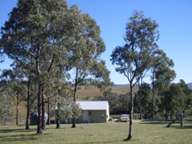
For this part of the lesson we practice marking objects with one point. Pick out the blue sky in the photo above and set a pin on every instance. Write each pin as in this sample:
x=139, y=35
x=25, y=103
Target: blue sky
x=174, y=18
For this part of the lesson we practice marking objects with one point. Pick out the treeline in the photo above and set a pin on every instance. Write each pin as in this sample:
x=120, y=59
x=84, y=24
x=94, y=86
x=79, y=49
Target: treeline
x=169, y=104
x=53, y=49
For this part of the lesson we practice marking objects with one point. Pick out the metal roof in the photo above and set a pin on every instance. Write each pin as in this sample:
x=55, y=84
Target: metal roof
x=93, y=105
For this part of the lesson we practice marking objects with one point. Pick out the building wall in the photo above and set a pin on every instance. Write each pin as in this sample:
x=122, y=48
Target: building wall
x=93, y=116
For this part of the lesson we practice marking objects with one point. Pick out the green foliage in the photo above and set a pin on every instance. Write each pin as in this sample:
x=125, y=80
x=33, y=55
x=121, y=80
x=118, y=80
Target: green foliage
x=135, y=57
x=6, y=103
x=76, y=111
x=176, y=99
x=34, y=35
x=118, y=102
x=187, y=93
x=143, y=100
x=162, y=70
x=66, y=109
x=85, y=47
x=172, y=99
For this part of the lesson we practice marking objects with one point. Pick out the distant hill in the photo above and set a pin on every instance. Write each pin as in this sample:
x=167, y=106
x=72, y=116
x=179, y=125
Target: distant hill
x=121, y=86
x=90, y=92
x=190, y=85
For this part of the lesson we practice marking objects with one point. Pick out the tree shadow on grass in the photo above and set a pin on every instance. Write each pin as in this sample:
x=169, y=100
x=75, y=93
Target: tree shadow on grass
x=99, y=142
x=18, y=137
x=154, y=122
x=184, y=127
x=8, y=130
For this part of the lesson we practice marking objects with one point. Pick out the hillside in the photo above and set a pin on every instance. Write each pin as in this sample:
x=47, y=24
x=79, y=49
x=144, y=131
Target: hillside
x=190, y=85
x=90, y=92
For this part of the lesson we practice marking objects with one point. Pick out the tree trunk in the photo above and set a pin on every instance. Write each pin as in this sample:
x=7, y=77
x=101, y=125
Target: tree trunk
x=39, y=122
x=130, y=114
x=43, y=108
x=140, y=115
x=141, y=112
x=58, y=116
x=73, y=122
x=48, y=111
x=39, y=92
x=171, y=121
x=153, y=94
x=57, y=123
x=181, y=119
x=74, y=98
x=166, y=115
x=17, y=110
x=28, y=106
x=140, y=105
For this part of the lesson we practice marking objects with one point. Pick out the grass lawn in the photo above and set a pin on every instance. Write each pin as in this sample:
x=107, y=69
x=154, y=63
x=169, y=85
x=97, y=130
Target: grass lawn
x=110, y=133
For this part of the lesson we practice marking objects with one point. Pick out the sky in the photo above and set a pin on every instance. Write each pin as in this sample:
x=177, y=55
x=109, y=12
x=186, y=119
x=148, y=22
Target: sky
x=173, y=16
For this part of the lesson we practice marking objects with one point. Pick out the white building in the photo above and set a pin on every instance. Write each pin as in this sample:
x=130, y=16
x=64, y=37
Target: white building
x=94, y=111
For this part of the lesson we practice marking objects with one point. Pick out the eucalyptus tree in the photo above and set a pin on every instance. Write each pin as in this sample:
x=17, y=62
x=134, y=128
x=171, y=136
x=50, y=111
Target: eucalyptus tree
x=6, y=103
x=34, y=35
x=85, y=48
x=185, y=100
x=17, y=88
x=134, y=58
x=6, y=99
x=57, y=91
x=30, y=99
x=175, y=103
x=187, y=92
x=162, y=75
x=143, y=101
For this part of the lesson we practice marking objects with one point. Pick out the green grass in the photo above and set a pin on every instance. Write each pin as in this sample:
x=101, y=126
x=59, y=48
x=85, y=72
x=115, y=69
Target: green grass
x=110, y=133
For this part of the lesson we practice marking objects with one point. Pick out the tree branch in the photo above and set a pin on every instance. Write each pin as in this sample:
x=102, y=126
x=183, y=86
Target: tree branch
x=51, y=64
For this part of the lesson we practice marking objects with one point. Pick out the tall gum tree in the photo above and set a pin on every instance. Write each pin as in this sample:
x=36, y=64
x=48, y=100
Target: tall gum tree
x=162, y=76
x=85, y=48
x=134, y=58
x=34, y=35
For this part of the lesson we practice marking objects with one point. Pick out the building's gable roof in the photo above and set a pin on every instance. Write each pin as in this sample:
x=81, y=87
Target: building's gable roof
x=93, y=105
